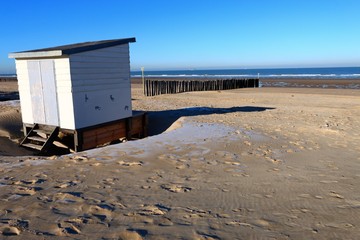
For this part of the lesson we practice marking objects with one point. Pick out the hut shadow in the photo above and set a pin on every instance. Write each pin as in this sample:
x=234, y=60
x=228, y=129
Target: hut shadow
x=159, y=121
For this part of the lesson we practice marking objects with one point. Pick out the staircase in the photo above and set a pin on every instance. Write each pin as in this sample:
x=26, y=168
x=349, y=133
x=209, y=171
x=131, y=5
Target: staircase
x=40, y=137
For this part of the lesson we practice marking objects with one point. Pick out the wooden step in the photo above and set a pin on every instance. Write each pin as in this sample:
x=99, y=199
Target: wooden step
x=43, y=131
x=33, y=146
x=36, y=138
x=40, y=139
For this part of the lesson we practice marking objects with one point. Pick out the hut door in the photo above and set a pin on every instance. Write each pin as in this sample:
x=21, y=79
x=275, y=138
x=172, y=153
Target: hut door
x=43, y=92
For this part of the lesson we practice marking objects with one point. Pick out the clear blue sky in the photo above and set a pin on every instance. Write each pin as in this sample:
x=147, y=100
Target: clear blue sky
x=187, y=34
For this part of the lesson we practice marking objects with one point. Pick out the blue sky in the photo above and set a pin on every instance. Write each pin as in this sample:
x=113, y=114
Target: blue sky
x=188, y=34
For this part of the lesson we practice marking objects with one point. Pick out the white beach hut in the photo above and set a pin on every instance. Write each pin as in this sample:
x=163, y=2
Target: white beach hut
x=75, y=88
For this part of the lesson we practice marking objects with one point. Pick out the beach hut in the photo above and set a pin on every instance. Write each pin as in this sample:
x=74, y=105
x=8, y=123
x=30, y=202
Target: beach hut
x=82, y=90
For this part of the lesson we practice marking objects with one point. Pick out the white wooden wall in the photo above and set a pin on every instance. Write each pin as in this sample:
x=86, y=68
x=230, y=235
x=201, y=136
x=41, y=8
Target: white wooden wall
x=92, y=87
x=64, y=93
x=24, y=91
x=101, y=85
x=63, y=98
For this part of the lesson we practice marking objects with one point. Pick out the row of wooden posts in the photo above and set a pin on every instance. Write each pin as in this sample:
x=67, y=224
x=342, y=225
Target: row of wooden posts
x=154, y=87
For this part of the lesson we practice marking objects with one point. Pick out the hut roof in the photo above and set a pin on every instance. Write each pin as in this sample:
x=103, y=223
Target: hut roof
x=70, y=49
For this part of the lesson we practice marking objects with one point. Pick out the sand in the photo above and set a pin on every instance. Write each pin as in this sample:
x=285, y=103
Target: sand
x=268, y=163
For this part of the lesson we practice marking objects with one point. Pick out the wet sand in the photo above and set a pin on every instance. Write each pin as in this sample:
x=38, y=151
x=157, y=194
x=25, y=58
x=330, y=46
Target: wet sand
x=268, y=163
x=312, y=83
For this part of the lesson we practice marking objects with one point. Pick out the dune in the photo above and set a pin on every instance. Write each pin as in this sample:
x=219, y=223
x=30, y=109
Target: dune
x=10, y=129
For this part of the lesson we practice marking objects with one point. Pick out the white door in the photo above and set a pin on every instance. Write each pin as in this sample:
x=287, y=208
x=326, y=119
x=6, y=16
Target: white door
x=43, y=92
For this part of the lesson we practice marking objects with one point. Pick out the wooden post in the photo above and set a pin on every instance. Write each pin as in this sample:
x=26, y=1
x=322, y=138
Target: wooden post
x=142, y=77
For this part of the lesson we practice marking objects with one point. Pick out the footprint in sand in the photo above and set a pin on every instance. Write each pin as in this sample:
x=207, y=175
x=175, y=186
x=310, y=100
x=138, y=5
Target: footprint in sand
x=339, y=225
x=336, y=195
x=261, y=223
x=273, y=160
x=55, y=230
x=70, y=197
x=305, y=195
x=41, y=176
x=130, y=164
x=127, y=235
x=26, y=191
x=175, y=188
x=151, y=210
x=180, y=166
x=350, y=204
x=137, y=152
x=328, y=181
x=32, y=181
x=102, y=211
x=238, y=223
x=110, y=181
x=10, y=231
x=227, y=156
x=95, y=164
x=13, y=227
x=76, y=159
x=168, y=157
x=164, y=222
x=69, y=228
x=67, y=184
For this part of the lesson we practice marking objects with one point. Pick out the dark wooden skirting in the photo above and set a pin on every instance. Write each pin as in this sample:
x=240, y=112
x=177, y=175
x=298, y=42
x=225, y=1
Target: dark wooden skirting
x=154, y=87
x=91, y=137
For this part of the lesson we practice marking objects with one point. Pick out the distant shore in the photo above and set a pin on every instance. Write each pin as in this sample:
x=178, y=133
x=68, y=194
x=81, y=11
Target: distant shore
x=7, y=79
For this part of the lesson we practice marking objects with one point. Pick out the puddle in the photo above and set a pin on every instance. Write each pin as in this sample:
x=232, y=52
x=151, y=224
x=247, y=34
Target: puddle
x=193, y=137
x=191, y=133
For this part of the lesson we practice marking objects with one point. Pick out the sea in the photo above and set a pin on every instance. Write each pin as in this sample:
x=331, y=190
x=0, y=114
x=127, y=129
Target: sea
x=284, y=77
x=270, y=73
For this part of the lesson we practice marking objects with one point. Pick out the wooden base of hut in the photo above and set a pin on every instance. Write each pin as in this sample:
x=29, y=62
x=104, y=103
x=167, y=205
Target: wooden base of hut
x=38, y=136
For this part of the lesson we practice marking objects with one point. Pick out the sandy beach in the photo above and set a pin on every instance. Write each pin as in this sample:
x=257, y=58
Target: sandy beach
x=262, y=163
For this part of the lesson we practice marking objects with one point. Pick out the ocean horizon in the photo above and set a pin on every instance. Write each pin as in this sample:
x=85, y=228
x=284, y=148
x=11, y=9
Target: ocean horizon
x=269, y=73
x=303, y=73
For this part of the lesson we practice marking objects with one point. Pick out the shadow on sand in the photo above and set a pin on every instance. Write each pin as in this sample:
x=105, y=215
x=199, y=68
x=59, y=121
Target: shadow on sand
x=159, y=121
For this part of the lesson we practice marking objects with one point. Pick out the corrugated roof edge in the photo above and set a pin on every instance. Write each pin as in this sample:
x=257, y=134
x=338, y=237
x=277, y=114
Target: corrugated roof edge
x=70, y=48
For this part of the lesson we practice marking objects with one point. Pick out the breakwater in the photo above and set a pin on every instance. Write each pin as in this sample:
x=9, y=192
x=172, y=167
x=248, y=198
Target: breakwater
x=153, y=87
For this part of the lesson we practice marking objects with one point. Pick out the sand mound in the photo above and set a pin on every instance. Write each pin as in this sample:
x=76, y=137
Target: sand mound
x=11, y=124
x=11, y=129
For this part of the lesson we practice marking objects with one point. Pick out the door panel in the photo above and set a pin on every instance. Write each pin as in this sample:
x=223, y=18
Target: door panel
x=37, y=100
x=43, y=92
x=49, y=92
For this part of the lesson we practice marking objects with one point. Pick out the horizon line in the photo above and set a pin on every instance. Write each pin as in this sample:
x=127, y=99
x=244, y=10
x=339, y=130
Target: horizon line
x=203, y=69
x=231, y=68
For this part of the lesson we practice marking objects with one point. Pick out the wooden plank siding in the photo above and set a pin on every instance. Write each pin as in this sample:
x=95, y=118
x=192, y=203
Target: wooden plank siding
x=64, y=93
x=101, y=67
x=24, y=91
x=102, y=135
x=94, y=136
x=101, y=85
